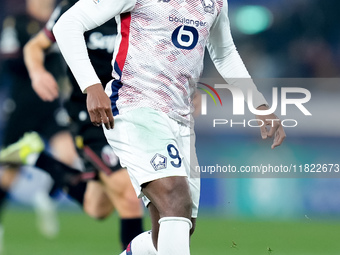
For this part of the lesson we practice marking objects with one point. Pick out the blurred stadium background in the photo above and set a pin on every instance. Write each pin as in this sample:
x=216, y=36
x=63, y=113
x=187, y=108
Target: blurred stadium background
x=289, y=39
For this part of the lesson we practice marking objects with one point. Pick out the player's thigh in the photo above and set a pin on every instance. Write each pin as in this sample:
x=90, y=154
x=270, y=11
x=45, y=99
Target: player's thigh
x=117, y=182
x=119, y=189
x=96, y=201
x=63, y=147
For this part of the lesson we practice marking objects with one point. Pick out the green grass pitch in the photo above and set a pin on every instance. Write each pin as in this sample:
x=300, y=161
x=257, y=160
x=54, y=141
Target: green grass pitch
x=80, y=235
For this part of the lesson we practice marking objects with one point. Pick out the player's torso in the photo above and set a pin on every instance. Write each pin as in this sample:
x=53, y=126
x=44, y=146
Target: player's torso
x=166, y=46
x=172, y=30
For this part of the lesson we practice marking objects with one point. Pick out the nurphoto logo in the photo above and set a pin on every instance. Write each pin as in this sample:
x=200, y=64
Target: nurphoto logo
x=238, y=101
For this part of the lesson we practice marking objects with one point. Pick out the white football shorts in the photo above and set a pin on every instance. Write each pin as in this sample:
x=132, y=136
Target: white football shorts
x=152, y=146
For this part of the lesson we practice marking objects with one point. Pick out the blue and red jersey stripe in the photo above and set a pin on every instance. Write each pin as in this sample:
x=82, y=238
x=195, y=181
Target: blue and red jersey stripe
x=120, y=59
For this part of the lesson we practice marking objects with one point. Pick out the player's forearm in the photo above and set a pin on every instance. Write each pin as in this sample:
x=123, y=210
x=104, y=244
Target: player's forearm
x=34, y=57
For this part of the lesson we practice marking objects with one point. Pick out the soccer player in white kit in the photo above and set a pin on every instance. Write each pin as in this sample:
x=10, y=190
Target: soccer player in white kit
x=160, y=52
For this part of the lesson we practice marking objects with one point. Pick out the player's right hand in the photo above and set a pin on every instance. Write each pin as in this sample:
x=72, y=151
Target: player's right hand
x=99, y=106
x=45, y=85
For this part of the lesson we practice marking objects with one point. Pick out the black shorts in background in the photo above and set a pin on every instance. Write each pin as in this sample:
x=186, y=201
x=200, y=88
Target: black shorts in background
x=91, y=141
x=30, y=113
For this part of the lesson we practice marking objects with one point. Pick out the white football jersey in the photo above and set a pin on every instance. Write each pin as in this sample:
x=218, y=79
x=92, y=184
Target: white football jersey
x=158, y=53
x=161, y=50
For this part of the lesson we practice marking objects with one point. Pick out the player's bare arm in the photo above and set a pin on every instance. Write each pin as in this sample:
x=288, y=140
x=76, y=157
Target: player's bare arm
x=43, y=81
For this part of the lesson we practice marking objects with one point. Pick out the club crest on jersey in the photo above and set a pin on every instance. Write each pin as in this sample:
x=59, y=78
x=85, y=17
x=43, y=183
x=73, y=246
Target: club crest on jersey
x=208, y=5
x=158, y=162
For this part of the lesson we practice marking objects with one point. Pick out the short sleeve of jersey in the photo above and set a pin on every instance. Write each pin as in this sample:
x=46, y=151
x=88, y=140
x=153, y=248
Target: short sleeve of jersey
x=58, y=11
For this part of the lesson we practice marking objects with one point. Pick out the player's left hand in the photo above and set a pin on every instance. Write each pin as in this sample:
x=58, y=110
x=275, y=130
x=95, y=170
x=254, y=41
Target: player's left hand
x=99, y=106
x=45, y=85
x=275, y=127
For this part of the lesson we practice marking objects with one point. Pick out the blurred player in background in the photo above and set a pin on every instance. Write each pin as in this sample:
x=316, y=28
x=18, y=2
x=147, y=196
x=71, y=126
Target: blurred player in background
x=28, y=112
x=114, y=189
x=160, y=52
